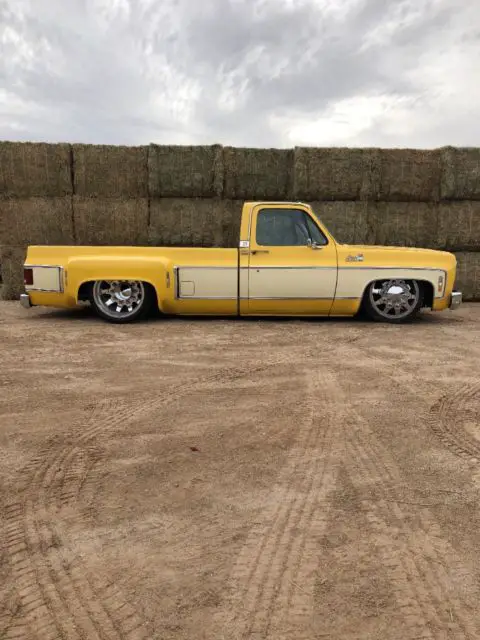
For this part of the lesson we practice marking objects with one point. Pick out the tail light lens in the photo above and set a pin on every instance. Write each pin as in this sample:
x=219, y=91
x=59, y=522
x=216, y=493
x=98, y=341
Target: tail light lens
x=28, y=276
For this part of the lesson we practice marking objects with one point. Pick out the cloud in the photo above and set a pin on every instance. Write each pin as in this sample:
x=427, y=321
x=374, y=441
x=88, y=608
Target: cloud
x=242, y=72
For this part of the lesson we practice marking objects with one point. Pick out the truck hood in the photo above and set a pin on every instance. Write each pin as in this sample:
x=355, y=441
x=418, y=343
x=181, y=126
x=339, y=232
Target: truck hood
x=367, y=248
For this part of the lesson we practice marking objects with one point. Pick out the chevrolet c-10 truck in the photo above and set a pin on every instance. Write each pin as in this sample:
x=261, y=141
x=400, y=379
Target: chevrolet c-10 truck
x=286, y=263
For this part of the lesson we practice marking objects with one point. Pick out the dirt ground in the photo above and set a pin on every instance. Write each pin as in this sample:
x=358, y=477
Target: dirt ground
x=226, y=479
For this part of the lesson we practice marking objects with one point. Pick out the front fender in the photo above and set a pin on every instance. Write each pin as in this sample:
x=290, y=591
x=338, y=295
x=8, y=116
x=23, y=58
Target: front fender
x=156, y=271
x=353, y=282
x=359, y=266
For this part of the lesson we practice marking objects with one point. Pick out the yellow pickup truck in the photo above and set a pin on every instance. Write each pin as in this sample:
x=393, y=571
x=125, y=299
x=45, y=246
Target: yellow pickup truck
x=286, y=263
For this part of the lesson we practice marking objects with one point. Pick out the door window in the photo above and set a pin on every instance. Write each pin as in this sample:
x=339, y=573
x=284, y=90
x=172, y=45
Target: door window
x=287, y=228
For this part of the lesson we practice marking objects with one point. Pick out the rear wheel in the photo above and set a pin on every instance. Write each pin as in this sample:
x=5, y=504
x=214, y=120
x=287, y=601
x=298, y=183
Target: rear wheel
x=394, y=301
x=121, y=301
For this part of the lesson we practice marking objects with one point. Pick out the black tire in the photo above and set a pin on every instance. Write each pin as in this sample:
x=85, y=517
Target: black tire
x=377, y=310
x=145, y=297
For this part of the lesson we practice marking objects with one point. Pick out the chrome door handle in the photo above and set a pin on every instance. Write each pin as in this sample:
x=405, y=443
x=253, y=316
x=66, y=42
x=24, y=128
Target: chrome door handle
x=255, y=251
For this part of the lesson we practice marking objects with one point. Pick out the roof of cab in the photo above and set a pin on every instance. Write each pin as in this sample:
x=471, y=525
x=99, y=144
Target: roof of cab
x=252, y=203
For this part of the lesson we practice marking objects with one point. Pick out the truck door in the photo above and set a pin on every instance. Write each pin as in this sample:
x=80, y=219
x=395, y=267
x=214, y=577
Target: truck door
x=292, y=268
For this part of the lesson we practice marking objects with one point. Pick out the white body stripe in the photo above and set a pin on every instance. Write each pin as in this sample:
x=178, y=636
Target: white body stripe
x=207, y=283
x=292, y=283
x=278, y=282
x=352, y=281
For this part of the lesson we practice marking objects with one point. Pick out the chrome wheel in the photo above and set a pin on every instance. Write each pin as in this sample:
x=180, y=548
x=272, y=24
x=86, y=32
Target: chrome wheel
x=119, y=299
x=394, y=299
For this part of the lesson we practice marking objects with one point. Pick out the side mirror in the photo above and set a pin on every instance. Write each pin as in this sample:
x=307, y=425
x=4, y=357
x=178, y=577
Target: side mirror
x=313, y=245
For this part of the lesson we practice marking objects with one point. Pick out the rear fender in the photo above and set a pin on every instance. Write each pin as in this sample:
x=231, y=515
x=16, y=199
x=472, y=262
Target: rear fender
x=158, y=272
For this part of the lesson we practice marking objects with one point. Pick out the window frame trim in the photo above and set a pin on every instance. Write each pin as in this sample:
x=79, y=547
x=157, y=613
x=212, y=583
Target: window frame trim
x=289, y=208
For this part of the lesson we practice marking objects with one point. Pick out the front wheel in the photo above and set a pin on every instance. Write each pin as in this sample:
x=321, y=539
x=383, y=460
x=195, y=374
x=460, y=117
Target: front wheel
x=121, y=301
x=393, y=301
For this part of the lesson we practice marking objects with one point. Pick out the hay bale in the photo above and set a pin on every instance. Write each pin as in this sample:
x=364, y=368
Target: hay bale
x=35, y=170
x=347, y=221
x=468, y=274
x=335, y=173
x=409, y=175
x=110, y=221
x=460, y=173
x=459, y=226
x=405, y=224
x=197, y=222
x=185, y=171
x=12, y=260
x=263, y=174
x=110, y=171
x=36, y=221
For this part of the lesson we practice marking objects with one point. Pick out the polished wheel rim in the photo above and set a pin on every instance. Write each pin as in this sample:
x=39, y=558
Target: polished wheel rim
x=118, y=298
x=394, y=298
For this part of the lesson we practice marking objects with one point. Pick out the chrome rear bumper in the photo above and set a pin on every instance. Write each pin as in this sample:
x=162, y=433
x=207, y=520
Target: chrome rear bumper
x=455, y=300
x=25, y=300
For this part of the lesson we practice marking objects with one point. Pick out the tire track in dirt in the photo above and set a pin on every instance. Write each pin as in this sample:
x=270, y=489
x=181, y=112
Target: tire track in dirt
x=88, y=602
x=445, y=420
x=63, y=600
x=9, y=609
x=418, y=560
x=84, y=464
x=411, y=597
x=40, y=610
x=79, y=461
x=65, y=597
x=422, y=577
x=282, y=551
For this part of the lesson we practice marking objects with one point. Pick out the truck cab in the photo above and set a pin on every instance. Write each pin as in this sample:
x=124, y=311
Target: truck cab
x=288, y=261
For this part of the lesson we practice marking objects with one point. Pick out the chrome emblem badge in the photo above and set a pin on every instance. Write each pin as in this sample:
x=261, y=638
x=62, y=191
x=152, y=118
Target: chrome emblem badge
x=357, y=258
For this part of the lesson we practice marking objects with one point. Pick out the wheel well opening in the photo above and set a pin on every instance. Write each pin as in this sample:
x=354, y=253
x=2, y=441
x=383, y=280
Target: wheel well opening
x=85, y=291
x=153, y=293
x=428, y=292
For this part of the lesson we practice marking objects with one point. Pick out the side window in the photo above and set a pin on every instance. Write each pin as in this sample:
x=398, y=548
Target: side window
x=286, y=228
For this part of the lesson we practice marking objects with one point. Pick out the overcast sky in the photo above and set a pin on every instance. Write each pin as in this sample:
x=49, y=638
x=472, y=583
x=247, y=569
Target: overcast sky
x=279, y=73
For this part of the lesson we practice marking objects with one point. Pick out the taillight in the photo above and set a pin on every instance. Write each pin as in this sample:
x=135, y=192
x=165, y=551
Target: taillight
x=28, y=276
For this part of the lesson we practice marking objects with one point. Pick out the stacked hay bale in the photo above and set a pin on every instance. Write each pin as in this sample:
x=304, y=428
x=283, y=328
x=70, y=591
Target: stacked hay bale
x=258, y=174
x=110, y=201
x=186, y=187
x=35, y=204
x=398, y=197
x=193, y=195
x=459, y=217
